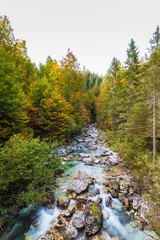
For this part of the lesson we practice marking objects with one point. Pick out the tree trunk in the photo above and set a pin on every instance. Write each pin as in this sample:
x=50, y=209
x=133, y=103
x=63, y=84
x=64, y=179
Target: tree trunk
x=154, y=126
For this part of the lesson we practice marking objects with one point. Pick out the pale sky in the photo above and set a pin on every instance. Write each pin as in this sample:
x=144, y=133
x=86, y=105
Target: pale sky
x=95, y=30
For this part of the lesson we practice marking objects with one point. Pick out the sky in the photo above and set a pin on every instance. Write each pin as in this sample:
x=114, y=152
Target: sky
x=95, y=30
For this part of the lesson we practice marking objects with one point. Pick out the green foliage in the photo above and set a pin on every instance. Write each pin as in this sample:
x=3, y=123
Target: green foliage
x=27, y=170
x=13, y=113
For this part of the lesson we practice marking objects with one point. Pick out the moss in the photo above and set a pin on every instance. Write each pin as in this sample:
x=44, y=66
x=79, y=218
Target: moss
x=96, y=210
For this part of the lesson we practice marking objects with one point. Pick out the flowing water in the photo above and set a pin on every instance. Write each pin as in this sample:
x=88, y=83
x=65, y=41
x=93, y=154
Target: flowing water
x=30, y=224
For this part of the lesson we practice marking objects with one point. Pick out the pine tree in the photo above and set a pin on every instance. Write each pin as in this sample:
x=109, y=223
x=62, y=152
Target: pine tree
x=154, y=67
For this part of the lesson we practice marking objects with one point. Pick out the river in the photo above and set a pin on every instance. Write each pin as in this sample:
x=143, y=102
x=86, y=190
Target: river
x=30, y=224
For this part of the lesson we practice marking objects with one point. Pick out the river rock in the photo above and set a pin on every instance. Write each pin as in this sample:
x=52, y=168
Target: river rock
x=83, y=155
x=96, y=237
x=80, y=183
x=93, y=218
x=62, y=223
x=94, y=148
x=96, y=161
x=98, y=153
x=136, y=202
x=78, y=223
x=81, y=202
x=106, y=169
x=109, y=202
x=63, y=202
x=71, y=233
x=44, y=237
x=87, y=160
x=113, y=161
x=92, y=194
x=97, y=191
x=55, y=234
x=72, y=195
x=69, y=212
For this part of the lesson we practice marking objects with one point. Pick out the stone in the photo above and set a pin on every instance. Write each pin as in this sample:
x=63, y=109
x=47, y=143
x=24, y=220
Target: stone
x=106, y=183
x=98, y=153
x=96, y=161
x=83, y=155
x=113, y=161
x=92, y=194
x=44, y=237
x=81, y=202
x=91, y=187
x=94, y=148
x=109, y=202
x=131, y=190
x=69, y=212
x=134, y=224
x=96, y=237
x=66, y=159
x=78, y=223
x=71, y=233
x=63, y=202
x=87, y=160
x=99, y=200
x=80, y=183
x=50, y=206
x=62, y=223
x=72, y=196
x=106, y=169
x=55, y=234
x=136, y=203
x=97, y=191
x=93, y=218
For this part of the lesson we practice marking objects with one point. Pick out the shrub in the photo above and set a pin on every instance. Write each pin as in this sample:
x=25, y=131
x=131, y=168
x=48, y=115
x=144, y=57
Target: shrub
x=27, y=170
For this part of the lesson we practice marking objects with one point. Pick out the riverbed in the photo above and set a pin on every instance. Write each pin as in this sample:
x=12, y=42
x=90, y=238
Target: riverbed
x=30, y=224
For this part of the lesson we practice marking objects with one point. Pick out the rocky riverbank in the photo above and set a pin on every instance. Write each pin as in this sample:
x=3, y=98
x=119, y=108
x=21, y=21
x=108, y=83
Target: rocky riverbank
x=88, y=205
x=94, y=198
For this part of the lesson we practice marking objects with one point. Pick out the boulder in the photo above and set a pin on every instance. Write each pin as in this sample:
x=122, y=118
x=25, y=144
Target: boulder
x=63, y=202
x=93, y=218
x=71, y=233
x=78, y=223
x=80, y=183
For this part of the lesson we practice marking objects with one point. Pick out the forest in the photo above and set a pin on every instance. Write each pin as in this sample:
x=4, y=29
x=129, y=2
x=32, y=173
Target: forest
x=42, y=107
